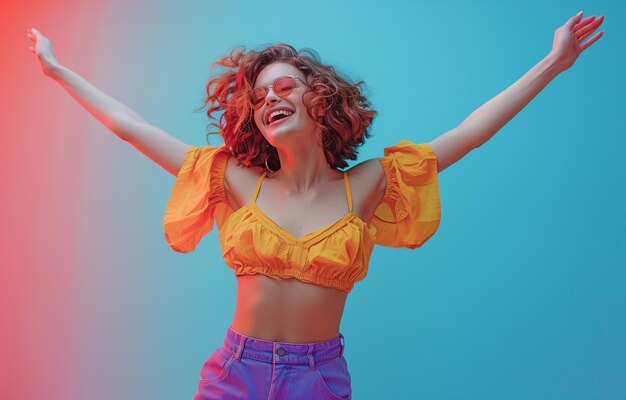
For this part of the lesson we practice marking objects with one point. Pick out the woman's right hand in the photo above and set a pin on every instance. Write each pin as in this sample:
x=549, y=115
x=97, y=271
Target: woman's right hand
x=44, y=52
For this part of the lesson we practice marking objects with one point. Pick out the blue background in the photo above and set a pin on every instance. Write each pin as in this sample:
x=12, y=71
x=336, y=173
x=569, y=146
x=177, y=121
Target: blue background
x=520, y=293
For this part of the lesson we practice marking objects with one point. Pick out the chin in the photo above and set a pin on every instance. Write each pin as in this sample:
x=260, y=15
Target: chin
x=277, y=137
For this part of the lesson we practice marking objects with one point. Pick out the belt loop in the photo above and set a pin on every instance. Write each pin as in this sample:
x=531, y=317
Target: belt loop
x=273, y=352
x=342, y=342
x=311, y=358
x=242, y=342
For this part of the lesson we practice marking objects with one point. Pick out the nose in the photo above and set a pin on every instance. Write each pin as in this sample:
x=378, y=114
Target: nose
x=271, y=97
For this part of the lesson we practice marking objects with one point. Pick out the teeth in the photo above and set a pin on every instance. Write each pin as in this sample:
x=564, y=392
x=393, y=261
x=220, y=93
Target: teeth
x=278, y=112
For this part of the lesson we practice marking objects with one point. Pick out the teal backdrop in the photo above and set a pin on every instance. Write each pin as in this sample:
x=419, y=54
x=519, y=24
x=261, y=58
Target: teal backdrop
x=519, y=294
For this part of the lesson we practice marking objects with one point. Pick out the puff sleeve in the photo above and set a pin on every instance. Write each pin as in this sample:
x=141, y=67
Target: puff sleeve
x=197, y=199
x=410, y=210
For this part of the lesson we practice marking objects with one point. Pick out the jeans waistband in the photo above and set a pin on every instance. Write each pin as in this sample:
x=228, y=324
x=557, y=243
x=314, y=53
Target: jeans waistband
x=282, y=352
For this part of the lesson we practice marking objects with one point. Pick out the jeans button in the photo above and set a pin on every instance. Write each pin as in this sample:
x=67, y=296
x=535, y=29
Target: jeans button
x=280, y=351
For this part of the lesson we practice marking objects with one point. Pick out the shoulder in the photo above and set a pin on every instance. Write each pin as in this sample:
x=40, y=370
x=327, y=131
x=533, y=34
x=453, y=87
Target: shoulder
x=368, y=183
x=239, y=182
x=368, y=172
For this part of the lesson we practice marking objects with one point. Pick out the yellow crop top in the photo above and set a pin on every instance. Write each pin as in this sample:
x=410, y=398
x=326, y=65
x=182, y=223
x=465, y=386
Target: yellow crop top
x=336, y=255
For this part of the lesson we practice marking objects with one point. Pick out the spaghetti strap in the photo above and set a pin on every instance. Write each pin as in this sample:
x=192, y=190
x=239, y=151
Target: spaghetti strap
x=258, y=186
x=348, y=193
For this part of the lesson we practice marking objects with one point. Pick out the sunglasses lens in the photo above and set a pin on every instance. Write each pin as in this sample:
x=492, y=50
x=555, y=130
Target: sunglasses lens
x=284, y=85
x=258, y=96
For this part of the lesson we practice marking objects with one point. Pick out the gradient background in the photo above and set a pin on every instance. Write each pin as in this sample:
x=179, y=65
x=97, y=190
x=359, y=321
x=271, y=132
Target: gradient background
x=519, y=295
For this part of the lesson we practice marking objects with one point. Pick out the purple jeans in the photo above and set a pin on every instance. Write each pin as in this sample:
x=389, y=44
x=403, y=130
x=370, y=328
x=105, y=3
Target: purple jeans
x=249, y=368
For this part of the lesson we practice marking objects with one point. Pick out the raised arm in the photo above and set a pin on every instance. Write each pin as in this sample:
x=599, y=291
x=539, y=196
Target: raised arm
x=162, y=148
x=483, y=123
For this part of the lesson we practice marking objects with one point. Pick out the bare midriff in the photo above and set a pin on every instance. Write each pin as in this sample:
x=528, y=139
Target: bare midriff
x=287, y=310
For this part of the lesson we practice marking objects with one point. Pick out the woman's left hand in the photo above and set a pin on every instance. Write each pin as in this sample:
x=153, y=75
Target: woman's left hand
x=568, y=45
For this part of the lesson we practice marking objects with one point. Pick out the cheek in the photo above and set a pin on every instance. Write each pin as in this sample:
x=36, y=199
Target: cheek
x=306, y=100
x=307, y=97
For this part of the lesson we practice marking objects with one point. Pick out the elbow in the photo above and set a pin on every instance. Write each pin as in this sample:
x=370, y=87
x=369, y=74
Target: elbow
x=123, y=126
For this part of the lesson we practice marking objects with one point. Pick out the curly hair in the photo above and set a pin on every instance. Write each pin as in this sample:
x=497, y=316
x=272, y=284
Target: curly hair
x=346, y=114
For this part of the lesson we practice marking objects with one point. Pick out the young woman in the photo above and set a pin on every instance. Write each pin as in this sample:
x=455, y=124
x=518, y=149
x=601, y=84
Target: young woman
x=297, y=231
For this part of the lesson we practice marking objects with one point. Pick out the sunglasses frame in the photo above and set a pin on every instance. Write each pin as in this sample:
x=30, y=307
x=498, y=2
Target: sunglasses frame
x=266, y=89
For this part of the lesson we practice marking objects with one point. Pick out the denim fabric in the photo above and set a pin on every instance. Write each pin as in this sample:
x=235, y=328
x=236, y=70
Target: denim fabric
x=250, y=368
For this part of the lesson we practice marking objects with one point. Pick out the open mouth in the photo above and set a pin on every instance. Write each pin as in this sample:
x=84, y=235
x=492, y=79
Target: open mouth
x=279, y=116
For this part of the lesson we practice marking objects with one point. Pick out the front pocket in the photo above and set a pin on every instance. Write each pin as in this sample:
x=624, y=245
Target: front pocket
x=216, y=367
x=334, y=376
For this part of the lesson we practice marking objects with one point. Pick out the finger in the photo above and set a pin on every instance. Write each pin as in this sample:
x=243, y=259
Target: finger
x=598, y=21
x=587, y=28
x=583, y=22
x=588, y=43
x=587, y=31
x=574, y=20
x=585, y=36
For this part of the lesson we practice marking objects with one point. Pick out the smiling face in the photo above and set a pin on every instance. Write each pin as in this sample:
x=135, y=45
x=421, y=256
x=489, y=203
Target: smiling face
x=294, y=117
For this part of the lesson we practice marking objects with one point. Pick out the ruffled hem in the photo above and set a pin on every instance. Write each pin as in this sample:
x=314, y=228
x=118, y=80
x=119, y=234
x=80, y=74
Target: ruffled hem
x=410, y=211
x=298, y=274
x=197, y=198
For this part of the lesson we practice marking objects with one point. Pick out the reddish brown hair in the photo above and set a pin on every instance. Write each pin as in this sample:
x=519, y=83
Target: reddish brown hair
x=345, y=123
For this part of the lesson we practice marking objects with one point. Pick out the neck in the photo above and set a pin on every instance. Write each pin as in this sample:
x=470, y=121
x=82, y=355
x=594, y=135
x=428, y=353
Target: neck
x=303, y=167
